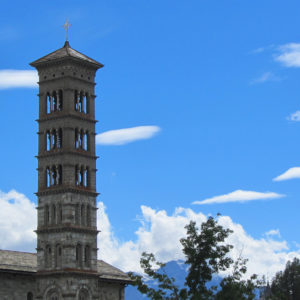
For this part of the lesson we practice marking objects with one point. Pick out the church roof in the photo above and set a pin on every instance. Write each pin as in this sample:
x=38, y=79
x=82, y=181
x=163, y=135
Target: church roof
x=66, y=52
x=15, y=261
x=18, y=261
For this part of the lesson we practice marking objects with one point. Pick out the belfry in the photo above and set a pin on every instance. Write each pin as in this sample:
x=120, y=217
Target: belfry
x=66, y=265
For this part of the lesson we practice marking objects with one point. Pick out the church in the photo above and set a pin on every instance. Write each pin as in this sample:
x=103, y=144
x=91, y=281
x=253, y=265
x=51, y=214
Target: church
x=65, y=265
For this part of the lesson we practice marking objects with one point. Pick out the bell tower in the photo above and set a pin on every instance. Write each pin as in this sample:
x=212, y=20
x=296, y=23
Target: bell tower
x=67, y=224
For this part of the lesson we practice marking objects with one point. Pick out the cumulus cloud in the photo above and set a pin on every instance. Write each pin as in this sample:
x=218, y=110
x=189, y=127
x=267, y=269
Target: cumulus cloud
x=239, y=196
x=18, y=79
x=267, y=76
x=291, y=173
x=157, y=232
x=273, y=232
x=160, y=233
x=289, y=55
x=126, y=135
x=17, y=222
x=294, y=116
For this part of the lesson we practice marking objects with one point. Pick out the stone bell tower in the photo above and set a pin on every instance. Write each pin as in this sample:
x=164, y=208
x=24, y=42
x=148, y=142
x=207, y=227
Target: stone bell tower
x=67, y=229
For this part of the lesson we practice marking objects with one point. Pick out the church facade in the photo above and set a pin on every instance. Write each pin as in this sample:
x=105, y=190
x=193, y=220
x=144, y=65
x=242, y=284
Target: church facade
x=65, y=265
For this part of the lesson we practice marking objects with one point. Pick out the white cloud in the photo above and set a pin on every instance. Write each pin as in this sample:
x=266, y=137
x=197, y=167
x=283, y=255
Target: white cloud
x=289, y=55
x=18, y=79
x=273, y=232
x=239, y=196
x=267, y=76
x=17, y=222
x=126, y=135
x=289, y=174
x=294, y=116
x=160, y=233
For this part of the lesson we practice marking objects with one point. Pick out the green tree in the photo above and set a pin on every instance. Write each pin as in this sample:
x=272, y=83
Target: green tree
x=286, y=284
x=234, y=286
x=206, y=254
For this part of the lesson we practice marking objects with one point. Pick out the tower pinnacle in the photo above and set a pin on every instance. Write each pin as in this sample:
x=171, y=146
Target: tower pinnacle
x=66, y=26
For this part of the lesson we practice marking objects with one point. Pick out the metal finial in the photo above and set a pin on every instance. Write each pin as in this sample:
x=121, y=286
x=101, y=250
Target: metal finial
x=66, y=27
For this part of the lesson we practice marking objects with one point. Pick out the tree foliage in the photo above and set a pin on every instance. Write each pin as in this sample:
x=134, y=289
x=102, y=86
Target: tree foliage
x=206, y=254
x=286, y=284
x=234, y=286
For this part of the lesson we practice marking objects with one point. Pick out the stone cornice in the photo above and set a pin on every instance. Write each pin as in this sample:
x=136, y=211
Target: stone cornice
x=64, y=189
x=67, y=271
x=66, y=228
x=61, y=151
x=62, y=115
x=60, y=78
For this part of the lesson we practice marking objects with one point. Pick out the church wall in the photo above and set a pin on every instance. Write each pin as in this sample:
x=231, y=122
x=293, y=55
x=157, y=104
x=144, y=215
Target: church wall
x=14, y=286
x=111, y=291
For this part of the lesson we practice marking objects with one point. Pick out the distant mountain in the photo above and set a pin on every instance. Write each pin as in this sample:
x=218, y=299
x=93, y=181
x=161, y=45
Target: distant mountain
x=176, y=269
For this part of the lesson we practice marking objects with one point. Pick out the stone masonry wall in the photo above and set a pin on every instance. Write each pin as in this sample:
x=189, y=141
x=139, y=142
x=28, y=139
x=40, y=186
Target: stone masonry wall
x=14, y=286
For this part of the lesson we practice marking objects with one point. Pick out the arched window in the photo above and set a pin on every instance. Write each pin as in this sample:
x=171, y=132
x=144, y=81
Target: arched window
x=48, y=256
x=82, y=214
x=54, y=139
x=87, y=177
x=81, y=102
x=58, y=256
x=52, y=296
x=87, y=255
x=48, y=140
x=88, y=215
x=86, y=141
x=82, y=140
x=77, y=175
x=59, y=173
x=78, y=255
x=76, y=138
x=48, y=177
x=53, y=175
x=76, y=100
x=86, y=100
x=47, y=215
x=48, y=103
x=82, y=176
x=59, y=138
x=60, y=216
x=55, y=101
x=53, y=214
x=29, y=296
x=77, y=214
x=60, y=100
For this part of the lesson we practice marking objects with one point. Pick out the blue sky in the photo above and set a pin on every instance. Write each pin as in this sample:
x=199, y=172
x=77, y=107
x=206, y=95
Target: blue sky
x=217, y=80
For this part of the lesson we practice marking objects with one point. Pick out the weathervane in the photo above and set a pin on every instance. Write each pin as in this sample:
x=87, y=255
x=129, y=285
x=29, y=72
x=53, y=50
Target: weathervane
x=66, y=27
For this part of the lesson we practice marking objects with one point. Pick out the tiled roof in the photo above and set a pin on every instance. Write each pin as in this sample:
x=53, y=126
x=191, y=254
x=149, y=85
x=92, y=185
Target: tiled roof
x=107, y=271
x=18, y=261
x=65, y=52
x=27, y=262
